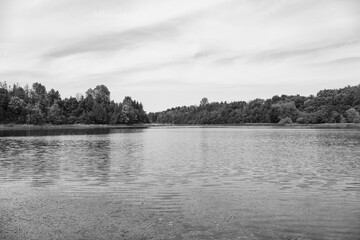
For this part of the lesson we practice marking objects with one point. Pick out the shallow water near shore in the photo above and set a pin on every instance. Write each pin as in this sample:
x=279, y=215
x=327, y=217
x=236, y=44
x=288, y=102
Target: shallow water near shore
x=181, y=183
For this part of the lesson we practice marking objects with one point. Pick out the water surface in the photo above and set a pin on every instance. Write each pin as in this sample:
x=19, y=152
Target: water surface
x=181, y=183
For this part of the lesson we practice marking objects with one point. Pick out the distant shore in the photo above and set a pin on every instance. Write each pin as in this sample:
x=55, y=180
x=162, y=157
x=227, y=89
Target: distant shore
x=6, y=127
x=68, y=126
x=273, y=125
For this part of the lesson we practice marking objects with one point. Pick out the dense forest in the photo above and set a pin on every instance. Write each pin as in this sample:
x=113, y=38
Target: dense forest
x=328, y=106
x=35, y=105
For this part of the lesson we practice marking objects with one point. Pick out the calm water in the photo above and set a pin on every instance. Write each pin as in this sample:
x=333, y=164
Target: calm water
x=181, y=183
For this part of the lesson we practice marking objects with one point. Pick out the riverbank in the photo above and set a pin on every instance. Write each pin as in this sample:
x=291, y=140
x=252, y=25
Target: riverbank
x=69, y=126
x=272, y=125
x=6, y=127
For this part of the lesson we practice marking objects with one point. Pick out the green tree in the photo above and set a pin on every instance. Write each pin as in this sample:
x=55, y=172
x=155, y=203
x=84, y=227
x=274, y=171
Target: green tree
x=352, y=116
x=204, y=101
x=283, y=110
x=18, y=91
x=99, y=113
x=101, y=94
x=35, y=115
x=4, y=101
x=128, y=113
x=17, y=105
x=38, y=97
x=56, y=115
x=52, y=96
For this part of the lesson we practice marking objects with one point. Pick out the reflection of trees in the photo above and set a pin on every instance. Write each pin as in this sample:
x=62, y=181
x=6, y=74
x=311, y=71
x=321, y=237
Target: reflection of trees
x=45, y=166
x=86, y=159
x=22, y=159
x=128, y=156
x=98, y=160
x=43, y=160
x=73, y=160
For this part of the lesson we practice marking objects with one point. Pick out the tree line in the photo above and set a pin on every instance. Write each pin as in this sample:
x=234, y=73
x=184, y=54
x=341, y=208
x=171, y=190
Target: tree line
x=328, y=106
x=35, y=105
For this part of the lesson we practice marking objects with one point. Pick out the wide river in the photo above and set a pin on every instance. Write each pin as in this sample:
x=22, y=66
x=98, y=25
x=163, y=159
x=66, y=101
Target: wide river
x=180, y=183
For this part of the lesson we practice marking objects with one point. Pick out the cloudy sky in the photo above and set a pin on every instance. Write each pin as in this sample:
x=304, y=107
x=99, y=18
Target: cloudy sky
x=168, y=53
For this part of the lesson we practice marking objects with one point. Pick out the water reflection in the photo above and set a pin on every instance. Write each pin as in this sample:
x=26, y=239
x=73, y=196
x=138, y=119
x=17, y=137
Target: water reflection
x=26, y=160
x=72, y=160
x=96, y=159
x=128, y=157
x=52, y=132
x=217, y=157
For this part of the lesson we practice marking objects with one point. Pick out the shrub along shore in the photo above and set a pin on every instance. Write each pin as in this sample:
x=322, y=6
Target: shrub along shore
x=268, y=125
x=4, y=127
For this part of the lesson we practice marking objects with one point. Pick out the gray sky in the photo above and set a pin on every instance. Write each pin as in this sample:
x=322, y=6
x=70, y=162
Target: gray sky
x=168, y=53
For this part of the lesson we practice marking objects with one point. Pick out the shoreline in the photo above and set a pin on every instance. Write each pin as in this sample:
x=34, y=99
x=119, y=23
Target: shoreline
x=269, y=125
x=5, y=127
x=15, y=127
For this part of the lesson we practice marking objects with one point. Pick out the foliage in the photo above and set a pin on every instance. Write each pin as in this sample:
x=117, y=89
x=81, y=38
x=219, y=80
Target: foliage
x=352, y=115
x=286, y=120
x=328, y=106
x=35, y=115
x=56, y=115
x=35, y=105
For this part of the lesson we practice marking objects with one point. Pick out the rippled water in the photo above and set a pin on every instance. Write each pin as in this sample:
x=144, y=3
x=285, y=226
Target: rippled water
x=182, y=183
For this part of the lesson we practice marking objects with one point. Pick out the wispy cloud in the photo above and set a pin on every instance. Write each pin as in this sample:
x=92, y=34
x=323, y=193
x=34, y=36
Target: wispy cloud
x=285, y=53
x=343, y=61
x=19, y=74
x=118, y=40
x=279, y=54
x=133, y=70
